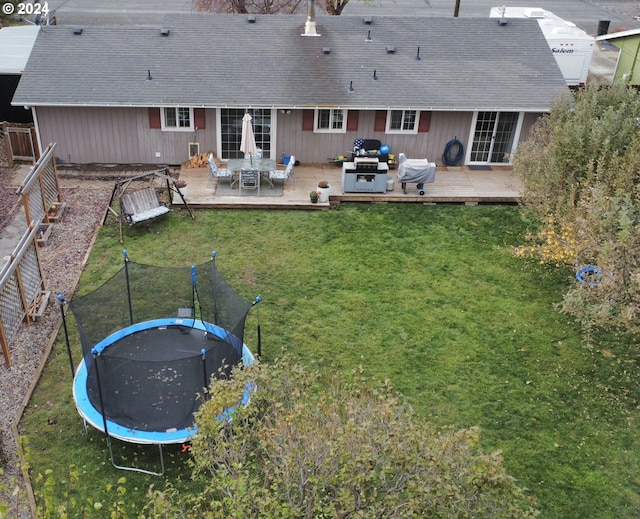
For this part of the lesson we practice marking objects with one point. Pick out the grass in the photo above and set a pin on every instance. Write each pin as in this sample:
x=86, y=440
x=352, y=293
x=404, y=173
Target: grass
x=429, y=297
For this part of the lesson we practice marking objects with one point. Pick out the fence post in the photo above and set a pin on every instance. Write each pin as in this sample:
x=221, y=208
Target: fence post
x=7, y=144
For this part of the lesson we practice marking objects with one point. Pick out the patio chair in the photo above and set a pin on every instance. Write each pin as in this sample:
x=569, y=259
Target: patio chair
x=282, y=175
x=218, y=172
x=256, y=155
x=249, y=179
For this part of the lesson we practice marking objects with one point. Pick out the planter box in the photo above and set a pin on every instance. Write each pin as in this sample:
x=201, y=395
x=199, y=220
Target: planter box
x=39, y=306
x=44, y=231
x=60, y=207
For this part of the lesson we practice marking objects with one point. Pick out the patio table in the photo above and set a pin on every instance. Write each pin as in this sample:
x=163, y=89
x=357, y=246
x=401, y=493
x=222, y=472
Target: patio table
x=262, y=165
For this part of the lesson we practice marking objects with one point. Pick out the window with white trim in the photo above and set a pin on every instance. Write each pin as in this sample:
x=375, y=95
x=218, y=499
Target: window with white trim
x=402, y=121
x=177, y=118
x=330, y=120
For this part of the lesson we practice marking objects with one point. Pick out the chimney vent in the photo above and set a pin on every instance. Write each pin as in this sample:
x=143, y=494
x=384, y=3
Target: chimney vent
x=310, y=24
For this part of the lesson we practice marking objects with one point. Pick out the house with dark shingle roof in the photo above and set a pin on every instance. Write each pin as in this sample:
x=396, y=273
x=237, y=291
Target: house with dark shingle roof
x=142, y=94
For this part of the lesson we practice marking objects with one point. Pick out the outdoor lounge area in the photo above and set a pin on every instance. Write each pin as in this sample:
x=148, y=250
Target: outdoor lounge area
x=456, y=185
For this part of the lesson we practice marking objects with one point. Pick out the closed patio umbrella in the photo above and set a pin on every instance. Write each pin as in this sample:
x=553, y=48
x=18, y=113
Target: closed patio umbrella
x=248, y=142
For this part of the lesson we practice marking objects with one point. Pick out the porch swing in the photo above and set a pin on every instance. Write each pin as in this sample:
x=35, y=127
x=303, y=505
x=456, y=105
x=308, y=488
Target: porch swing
x=143, y=204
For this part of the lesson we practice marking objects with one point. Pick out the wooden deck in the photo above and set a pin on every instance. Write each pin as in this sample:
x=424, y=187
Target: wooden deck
x=453, y=185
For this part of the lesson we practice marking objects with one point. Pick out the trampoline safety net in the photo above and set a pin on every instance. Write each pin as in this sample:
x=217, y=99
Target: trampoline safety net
x=151, y=378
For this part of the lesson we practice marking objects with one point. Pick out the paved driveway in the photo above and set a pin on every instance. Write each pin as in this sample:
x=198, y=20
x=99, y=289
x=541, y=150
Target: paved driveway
x=584, y=13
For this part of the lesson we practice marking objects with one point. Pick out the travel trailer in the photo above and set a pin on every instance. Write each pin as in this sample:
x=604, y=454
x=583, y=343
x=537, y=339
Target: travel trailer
x=571, y=46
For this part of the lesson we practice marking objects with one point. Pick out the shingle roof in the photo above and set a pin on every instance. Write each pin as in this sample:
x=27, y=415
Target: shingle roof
x=225, y=61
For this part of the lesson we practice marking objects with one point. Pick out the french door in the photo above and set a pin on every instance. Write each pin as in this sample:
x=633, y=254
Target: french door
x=231, y=131
x=494, y=136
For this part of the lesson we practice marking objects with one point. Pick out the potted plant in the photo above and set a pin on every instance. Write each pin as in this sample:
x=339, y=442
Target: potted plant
x=313, y=195
x=54, y=213
x=323, y=191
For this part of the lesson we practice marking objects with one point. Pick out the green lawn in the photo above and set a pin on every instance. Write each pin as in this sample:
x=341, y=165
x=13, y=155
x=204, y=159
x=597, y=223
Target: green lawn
x=430, y=297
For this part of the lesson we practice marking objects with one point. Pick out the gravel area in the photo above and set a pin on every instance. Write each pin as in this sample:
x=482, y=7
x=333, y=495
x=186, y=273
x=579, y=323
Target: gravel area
x=9, y=201
x=63, y=259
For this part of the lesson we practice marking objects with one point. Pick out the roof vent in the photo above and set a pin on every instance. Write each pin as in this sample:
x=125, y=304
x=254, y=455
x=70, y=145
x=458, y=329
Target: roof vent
x=326, y=50
x=251, y=18
x=391, y=49
x=164, y=31
x=77, y=31
x=502, y=20
x=368, y=20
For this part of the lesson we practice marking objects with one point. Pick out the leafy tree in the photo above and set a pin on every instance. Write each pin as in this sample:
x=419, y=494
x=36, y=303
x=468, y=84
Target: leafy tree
x=333, y=7
x=340, y=449
x=250, y=6
x=581, y=170
x=5, y=18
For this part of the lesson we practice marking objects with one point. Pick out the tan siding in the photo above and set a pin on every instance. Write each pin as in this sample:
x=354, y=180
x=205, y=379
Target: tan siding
x=123, y=136
x=314, y=148
x=117, y=136
x=527, y=122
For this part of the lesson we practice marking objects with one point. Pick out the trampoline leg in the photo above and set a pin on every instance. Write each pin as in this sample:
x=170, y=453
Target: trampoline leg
x=85, y=431
x=136, y=469
x=404, y=188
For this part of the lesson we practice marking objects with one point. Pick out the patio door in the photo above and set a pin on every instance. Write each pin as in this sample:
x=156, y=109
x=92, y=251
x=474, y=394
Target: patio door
x=493, y=137
x=230, y=133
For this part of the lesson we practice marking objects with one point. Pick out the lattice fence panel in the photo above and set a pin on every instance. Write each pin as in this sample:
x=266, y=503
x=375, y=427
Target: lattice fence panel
x=4, y=159
x=41, y=188
x=22, y=287
x=30, y=274
x=49, y=181
x=34, y=204
x=12, y=311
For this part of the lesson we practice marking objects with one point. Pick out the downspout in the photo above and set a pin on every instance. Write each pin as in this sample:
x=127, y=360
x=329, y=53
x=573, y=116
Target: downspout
x=37, y=127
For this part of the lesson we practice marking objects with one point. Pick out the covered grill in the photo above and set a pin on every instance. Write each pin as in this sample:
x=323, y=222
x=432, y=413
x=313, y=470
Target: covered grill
x=415, y=171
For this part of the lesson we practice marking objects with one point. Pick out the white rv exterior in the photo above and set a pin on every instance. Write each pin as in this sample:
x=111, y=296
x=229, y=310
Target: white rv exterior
x=571, y=46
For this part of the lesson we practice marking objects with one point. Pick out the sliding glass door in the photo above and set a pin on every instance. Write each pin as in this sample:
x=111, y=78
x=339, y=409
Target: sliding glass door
x=494, y=137
x=231, y=131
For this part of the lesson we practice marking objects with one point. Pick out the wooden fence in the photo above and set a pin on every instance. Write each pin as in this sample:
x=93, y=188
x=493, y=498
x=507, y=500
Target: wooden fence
x=18, y=142
x=23, y=295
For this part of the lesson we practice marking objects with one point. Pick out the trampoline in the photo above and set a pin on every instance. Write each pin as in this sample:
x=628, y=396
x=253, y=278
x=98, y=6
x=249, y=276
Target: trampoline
x=142, y=379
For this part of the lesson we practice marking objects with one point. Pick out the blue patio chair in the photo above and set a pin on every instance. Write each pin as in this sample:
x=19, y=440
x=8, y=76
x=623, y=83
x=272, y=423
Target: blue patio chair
x=282, y=175
x=218, y=172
